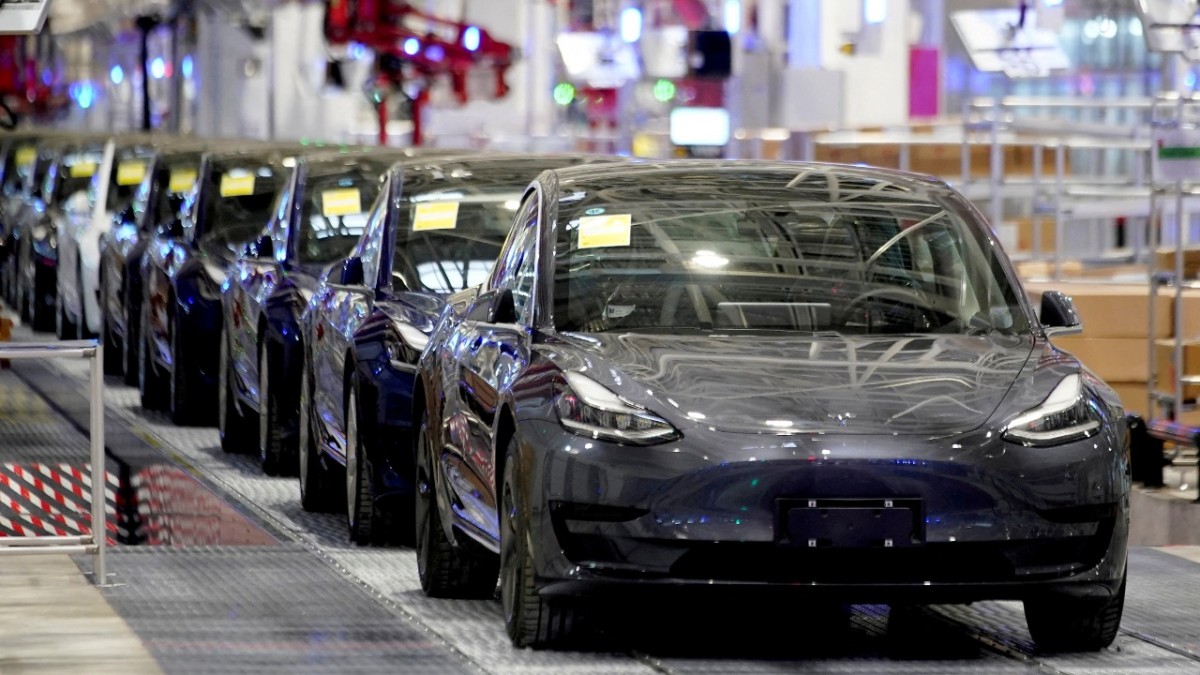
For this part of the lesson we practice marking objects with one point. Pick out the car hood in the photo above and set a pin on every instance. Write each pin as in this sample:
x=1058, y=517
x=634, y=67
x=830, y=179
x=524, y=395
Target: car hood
x=779, y=384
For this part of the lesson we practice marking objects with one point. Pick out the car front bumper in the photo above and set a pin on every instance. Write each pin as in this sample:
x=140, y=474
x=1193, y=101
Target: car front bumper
x=989, y=519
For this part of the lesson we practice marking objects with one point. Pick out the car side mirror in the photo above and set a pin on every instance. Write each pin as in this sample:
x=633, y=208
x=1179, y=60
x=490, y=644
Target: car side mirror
x=352, y=272
x=1058, y=314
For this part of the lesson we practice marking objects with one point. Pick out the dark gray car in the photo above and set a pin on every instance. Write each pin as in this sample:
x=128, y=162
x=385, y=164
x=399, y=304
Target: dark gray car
x=746, y=375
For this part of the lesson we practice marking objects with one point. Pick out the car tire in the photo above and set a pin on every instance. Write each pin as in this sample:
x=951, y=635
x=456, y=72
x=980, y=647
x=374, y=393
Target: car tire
x=446, y=571
x=129, y=346
x=113, y=351
x=316, y=489
x=150, y=383
x=362, y=516
x=63, y=328
x=184, y=408
x=529, y=619
x=276, y=456
x=83, y=331
x=237, y=432
x=1063, y=624
x=41, y=316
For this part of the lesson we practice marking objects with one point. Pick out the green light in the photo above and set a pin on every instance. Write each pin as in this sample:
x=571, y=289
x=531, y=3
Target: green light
x=564, y=93
x=664, y=90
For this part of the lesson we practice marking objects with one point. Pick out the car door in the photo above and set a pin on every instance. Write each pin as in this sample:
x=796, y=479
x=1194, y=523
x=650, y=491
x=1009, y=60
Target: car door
x=341, y=309
x=491, y=348
x=255, y=276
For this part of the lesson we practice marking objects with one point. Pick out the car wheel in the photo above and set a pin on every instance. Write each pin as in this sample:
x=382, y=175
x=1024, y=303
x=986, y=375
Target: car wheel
x=446, y=571
x=529, y=620
x=276, y=457
x=41, y=313
x=1060, y=624
x=183, y=405
x=149, y=382
x=83, y=330
x=129, y=346
x=361, y=514
x=316, y=492
x=63, y=328
x=236, y=431
x=113, y=352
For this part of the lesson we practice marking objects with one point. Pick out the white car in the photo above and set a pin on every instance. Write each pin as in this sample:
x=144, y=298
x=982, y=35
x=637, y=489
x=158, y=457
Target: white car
x=121, y=166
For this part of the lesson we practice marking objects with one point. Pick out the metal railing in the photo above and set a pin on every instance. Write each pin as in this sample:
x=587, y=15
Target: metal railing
x=96, y=542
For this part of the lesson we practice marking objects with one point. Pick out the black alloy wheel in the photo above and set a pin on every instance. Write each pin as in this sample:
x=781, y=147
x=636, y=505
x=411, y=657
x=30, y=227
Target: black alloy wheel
x=237, y=432
x=529, y=619
x=114, y=363
x=64, y=328
x=84, y=331
x=317, y=492
x=362, y=517
x=41, y=303
x=275, y=455
x=446, y=570
x=1067, y=624
x=133, y=335
x=185, y=409
x=150, y=383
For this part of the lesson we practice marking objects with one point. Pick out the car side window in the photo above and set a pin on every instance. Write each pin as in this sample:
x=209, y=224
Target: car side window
x=278, y=227
x=517, y=265
x=371, y=245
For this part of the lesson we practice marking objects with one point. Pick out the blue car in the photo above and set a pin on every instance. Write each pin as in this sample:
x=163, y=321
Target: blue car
x=434, y=231
x=183, y=268
x=317, y=222
x=170, y=174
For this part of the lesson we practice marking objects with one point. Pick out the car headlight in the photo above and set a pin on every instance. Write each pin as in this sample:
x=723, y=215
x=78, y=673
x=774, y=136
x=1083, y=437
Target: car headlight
x=587, y=408
x=405, y=344
x=1066, y=415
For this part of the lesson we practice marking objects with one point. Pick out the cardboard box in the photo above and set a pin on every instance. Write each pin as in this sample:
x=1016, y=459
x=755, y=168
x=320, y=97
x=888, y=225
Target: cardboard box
x=1113, y=359
x=1164, y=350
x=1044, y=269
x=1165, y=261
x=1025, y=236
x=1134, y=396
x=1113, y=310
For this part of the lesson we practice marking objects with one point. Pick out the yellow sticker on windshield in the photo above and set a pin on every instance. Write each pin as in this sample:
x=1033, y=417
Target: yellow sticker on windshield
x=181, y=180
x=435, y=216
x=343, y=202
x=130, y=173
x=608, y=230
x=26, y=155
x=83, y=170
x=237, y=184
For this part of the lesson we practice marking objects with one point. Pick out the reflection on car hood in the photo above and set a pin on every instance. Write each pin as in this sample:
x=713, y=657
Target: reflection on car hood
x=931, y=385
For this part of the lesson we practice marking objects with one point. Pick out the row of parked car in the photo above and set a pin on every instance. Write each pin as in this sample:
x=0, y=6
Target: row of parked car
x=587, y=376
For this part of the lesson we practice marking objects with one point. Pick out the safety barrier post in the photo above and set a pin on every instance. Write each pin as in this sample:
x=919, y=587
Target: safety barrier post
x=96, y=542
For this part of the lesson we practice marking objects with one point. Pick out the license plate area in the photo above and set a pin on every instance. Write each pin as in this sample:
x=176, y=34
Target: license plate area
x=851, y=523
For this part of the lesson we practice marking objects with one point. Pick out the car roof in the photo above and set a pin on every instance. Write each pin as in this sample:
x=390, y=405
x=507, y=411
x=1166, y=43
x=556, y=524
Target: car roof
x=799, y=170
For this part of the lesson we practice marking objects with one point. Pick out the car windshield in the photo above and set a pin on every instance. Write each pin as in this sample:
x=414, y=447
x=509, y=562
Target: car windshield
x=455, y=217
x=75, y=172
x=238, y=198
x=334, y=212
x=179, y=172
x=828, y=250
x=128, y=169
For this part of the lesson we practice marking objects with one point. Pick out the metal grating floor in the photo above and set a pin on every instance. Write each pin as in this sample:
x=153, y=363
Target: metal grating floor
x=1161, y=630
